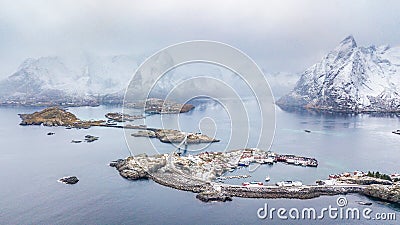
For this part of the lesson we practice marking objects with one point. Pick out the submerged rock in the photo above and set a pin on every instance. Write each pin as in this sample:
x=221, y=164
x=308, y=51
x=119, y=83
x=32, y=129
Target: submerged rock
x=116, y=163
x=69, y=180
x=90, y=138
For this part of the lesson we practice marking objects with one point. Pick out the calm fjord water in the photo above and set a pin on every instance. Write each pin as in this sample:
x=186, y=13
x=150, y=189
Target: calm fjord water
x=31, y=162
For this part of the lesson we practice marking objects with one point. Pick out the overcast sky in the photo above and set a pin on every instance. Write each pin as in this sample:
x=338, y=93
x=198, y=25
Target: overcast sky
x=280, y=35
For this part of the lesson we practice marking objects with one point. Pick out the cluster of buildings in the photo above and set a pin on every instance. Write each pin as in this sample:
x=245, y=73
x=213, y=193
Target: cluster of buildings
x=395, y=177
x=356, y=173
x=208, y=165
x=297, y=160
x=254, y=155
x=49, y=100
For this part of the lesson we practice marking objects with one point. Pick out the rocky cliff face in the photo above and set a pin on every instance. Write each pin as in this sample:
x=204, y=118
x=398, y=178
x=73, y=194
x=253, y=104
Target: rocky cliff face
x=350, y=79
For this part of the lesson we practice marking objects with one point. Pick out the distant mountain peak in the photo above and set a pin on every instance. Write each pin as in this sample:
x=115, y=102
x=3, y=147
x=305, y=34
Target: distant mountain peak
x=351, y=79
x=349, y=41
x=26, y=63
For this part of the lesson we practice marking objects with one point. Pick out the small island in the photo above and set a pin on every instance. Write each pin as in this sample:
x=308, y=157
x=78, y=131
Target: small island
x=175, y=136
x=160, y=106
x=56, y=116
x=69, y=180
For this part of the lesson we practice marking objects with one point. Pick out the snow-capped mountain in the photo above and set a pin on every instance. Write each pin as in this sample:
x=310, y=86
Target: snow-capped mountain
x=351, y=79
x=93, y=80
x=50, y=79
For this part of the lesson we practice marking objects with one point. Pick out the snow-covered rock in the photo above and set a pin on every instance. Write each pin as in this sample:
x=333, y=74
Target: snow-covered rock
x=350, y=79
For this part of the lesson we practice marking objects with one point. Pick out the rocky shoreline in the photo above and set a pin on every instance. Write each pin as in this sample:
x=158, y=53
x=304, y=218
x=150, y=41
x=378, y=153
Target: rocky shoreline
x=389, y=193
x=303, y=192
x=213, y=196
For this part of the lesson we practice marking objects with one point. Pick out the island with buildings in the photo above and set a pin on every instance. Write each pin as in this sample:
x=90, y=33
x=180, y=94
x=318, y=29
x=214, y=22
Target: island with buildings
x=203, y=172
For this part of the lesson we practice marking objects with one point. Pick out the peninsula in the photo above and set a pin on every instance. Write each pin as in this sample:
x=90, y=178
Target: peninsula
x=200, y=174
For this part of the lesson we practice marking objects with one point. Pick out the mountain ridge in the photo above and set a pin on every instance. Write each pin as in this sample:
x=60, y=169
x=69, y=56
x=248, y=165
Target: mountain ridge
x=95, y=80
x=55, y=80
x=350, y=78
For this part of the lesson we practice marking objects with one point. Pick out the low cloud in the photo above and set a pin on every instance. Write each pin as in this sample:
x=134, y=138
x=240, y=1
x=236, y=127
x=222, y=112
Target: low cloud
x=280, y=35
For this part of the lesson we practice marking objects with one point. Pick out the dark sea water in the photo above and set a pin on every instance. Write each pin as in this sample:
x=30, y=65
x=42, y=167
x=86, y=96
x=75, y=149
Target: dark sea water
x=31, y=162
